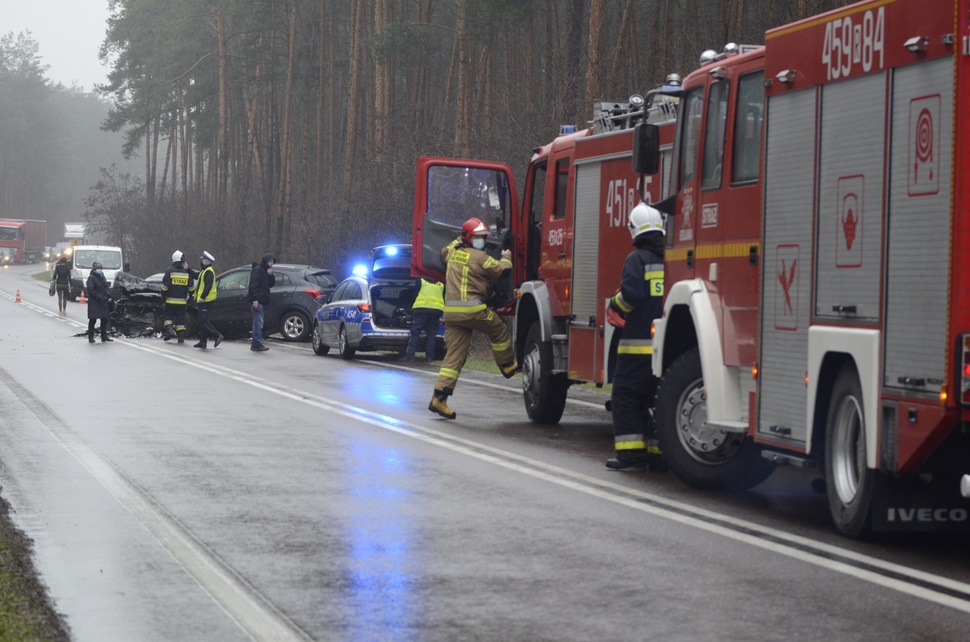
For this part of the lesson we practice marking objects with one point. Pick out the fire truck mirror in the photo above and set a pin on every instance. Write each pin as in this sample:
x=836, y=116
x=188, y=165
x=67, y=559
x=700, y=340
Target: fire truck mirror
x=646, y=149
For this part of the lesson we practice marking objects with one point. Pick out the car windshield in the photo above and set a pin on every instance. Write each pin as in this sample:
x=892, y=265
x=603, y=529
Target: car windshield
x=109, y=259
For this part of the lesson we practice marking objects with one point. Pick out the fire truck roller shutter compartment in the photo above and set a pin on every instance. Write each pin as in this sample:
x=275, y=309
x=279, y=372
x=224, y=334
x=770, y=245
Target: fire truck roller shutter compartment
x=586, y=243
x=785, y=290
x=919, y=226
x=850, y=200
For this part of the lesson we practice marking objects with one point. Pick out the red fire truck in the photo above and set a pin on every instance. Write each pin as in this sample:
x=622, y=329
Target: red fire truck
x=568, y=240
x=817, y=304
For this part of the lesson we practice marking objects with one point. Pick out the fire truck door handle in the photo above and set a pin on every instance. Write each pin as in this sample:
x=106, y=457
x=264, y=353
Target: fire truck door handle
x=690, y=258
x=844, y=309
x=562, y=255
x=753, y=255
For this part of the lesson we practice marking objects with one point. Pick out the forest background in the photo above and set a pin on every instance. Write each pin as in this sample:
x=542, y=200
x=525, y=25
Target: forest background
x=293, y=126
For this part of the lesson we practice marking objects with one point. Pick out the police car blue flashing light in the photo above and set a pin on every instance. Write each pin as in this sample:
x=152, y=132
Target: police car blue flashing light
x=391, y=251
x=360, y=270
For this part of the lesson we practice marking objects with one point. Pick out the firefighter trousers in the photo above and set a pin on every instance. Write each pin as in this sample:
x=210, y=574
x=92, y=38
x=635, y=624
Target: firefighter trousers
x=634, y=387
x=174, y=314
x=459, y=328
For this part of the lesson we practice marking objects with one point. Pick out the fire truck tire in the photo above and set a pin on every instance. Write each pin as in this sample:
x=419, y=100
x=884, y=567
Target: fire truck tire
x=851, y=486
x=700, y=456
x=343, y=345
x=318, y=346
x=544, y=392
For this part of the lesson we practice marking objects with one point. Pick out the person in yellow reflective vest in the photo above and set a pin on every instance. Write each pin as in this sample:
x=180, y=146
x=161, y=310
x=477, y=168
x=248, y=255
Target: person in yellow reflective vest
x=175, y=296
x=468, y=279
x=638, y=301
x=206, y=291
x=427, y=310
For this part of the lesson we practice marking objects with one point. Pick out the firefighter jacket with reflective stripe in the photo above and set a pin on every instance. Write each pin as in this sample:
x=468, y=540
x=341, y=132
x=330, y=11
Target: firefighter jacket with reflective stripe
x=468, y=277
x=206, y=289
x=640, y=297
x=175, y=285
x=430, y=296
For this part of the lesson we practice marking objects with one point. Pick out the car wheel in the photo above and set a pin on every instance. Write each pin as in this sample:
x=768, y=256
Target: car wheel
x=699, y=455
x=343, y=345
x=318, y=347
x=295, y=326
x=543, y=391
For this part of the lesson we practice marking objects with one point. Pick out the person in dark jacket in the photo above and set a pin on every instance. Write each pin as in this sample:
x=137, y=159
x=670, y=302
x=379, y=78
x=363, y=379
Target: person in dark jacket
x=62, y=283
x=98, y=302
x=260, y=282
x=639, y=301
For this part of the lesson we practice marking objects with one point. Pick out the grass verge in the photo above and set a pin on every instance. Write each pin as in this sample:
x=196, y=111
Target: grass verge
x=26, y=613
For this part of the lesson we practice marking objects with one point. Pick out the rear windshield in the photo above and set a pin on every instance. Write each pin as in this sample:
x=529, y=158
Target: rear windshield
x=322, y=279
x=109, y=259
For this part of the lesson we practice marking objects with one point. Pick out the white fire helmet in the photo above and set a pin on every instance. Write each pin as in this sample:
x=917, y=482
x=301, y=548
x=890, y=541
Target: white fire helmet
x=176, y=256
x=644, y=218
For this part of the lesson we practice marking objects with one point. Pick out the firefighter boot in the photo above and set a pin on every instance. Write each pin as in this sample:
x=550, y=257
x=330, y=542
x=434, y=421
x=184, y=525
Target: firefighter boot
x=439, y=405
x=508, y=371
x=655, y=457
x=181, y=335
x=628, y=459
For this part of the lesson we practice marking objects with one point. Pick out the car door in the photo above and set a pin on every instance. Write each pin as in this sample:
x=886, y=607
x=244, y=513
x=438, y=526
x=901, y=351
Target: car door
x=231, y=312
x=328, y=316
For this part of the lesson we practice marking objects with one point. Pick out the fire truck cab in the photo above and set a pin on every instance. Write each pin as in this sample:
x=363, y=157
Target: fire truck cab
x=817, y=304
x=568, y=239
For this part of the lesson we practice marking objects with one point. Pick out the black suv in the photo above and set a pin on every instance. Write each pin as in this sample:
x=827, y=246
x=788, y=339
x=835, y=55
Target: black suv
x=292, y=301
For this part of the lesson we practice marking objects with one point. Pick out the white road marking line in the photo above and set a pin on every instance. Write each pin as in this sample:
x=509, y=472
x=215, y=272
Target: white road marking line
x=764, y=537
x=793, y=546
x=254, y=614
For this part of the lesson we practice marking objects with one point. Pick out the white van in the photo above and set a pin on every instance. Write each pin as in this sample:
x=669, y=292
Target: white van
x=84, y=256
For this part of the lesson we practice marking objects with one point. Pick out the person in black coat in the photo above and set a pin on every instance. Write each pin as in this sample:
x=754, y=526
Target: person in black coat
x=98, y=302
x=62, y=284
x=260, y=281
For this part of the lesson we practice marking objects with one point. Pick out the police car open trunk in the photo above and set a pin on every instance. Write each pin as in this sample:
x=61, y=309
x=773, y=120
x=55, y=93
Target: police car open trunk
x=392, y=288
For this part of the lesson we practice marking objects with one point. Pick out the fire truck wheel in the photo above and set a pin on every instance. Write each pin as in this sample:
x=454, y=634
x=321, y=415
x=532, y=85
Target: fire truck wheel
x=701, y=456
x=543, y=391
x=343, y=345
x=851, y=485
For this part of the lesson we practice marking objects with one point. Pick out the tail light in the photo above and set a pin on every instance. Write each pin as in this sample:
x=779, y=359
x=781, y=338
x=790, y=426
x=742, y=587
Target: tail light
x=363, y=307
x=965, y=370
x=313, y=293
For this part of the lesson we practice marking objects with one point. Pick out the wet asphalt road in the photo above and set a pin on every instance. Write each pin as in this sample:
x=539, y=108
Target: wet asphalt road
x=175, y=494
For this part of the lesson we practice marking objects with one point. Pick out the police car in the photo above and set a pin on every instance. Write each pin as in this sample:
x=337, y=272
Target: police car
x=371, y=310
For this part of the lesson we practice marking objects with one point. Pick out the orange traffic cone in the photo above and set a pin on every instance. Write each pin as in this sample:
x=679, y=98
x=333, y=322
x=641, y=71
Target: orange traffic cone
x=81, y=300
x=18, y=297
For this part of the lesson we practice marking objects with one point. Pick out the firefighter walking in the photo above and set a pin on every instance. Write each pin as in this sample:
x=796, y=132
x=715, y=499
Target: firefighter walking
x=175, y=295
x=468, y=279
x=639, y=301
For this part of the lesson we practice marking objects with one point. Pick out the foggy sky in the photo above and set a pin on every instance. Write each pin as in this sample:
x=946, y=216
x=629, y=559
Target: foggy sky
x=69, y=33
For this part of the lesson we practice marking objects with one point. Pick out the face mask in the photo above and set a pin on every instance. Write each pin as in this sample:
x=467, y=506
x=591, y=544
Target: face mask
x=478, y=243
x=97, y=271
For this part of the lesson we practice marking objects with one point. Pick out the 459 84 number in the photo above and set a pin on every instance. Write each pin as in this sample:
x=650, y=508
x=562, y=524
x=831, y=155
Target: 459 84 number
x=850, y=46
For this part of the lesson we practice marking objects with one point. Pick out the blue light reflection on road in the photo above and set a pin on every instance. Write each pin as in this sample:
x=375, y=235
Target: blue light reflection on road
x=379, y=536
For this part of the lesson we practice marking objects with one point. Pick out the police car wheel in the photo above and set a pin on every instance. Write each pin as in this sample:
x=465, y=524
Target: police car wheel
x=851, y=485
x=318, y=346
x=343, y=345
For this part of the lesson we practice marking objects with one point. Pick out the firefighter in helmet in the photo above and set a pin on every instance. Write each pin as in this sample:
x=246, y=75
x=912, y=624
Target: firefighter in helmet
x=175, y=296
x=468, y=279
x=638, y=302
